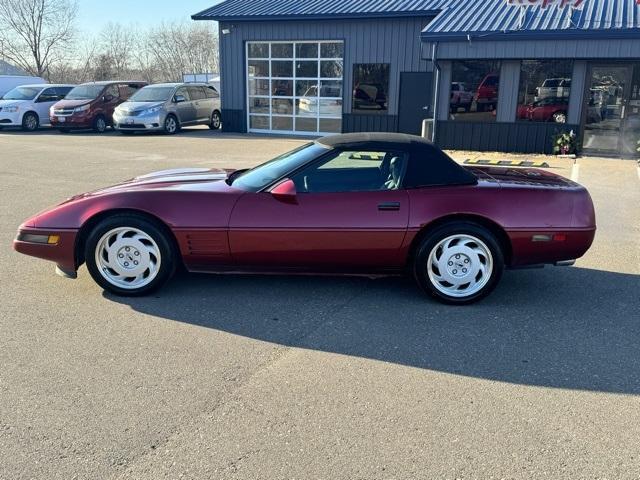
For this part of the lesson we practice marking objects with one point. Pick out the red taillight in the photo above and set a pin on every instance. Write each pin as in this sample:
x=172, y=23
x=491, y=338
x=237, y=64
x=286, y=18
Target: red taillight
x=559, y=237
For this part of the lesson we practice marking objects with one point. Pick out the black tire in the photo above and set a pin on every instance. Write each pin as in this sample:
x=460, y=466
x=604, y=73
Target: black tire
x=171, y=125
x=216, y=120
x=30, y=122
x=431, y=242
x=63, y=130
x=156, y=231
x=100, y=124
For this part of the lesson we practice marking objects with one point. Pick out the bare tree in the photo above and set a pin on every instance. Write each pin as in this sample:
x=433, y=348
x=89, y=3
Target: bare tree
x=35, y=34
x=118, y=43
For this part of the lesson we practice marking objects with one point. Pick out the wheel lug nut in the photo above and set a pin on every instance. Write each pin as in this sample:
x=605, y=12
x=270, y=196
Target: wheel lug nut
x=458, y=256
x=135, y=262
x=137, y=253
x=450, y=264
x=455, y=272
x=466, y=260
x=120, y=255
x=127, y=249
x=464, y=270
x=126, y=264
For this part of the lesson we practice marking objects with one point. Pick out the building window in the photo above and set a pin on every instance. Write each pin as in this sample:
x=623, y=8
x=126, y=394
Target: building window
x=544, y=91
x=474, y=90
x=370, y=87
x=295, y=87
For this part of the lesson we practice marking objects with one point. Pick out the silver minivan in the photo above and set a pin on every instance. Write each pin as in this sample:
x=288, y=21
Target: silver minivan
x=168, y=107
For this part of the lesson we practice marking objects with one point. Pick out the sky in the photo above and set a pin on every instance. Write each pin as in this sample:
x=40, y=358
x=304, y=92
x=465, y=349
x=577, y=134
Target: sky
x=94, y=15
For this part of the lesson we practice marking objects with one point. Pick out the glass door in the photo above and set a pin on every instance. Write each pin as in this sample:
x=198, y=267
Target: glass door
x=606, y=103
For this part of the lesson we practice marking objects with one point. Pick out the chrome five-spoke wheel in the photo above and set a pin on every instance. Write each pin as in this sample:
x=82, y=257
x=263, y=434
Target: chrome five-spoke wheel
x=460, y=265
x=128, y=258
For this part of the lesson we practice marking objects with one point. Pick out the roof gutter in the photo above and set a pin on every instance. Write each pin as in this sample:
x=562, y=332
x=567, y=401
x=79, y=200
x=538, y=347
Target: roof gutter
x=220, y=17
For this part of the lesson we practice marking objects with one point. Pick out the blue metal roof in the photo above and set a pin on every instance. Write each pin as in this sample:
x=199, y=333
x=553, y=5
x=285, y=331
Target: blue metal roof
x=496, y=20
x=255, y=10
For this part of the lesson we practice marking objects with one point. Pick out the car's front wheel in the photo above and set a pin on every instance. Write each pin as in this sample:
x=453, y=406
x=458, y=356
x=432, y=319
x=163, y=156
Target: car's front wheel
x=130, y=255
x=171, y=125
x=30, y=122
x=100, y=124
x=459, y=263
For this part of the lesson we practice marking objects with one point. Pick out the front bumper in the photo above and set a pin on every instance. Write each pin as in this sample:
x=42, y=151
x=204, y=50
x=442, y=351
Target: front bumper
x=57, y=246
x=72, y=121
x=10, y=119
x=140, y=123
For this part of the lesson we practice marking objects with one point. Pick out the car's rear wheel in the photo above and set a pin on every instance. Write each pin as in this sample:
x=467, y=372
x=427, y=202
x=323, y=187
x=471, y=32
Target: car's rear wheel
x=171, y=125
x=100, y=124
x=130, y=255
x=30, y=122
x=216, y=121
x=459, y=263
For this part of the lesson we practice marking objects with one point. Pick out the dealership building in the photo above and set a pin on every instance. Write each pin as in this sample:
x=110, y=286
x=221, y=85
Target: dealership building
x=488, y=74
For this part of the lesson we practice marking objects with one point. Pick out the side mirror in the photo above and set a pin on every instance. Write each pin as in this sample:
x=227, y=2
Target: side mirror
x=285, y=191
x=179, y=98
x=107, y=98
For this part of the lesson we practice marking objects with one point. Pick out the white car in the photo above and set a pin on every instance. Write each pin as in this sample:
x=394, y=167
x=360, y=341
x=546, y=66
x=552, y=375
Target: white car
x=309, y=103
x=27, y=106
x=9, y=82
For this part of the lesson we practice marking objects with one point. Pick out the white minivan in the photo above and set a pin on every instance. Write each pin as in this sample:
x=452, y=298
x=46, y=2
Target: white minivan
x=9, y=82
x=27, y=106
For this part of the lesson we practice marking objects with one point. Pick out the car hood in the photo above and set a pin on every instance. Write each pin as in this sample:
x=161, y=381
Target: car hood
x=71, y=103
x=138, y=106
x=179, y=178
x=10, y=103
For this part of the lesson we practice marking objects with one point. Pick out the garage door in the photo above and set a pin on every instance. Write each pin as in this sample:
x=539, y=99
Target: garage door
x=295, y=87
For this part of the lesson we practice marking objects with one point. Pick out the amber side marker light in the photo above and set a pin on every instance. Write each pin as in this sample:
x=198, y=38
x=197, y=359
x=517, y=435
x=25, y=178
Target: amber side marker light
x=44, y=239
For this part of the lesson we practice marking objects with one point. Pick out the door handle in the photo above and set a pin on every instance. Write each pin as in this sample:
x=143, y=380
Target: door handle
x=388, y=206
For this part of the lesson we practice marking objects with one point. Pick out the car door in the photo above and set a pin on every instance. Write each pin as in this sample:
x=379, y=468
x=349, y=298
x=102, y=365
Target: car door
x=43, y=103
x=185, y=109
x=111, y=96
x=198, y=99
x=349, y=212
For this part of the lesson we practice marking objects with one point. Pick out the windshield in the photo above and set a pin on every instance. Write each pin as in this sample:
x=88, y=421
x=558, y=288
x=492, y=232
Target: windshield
x=84, y=92
x=267, y=173
x=22, y=93
x=152, y=94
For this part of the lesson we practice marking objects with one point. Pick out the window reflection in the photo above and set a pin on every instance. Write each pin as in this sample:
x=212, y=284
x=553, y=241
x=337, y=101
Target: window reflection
x=474, y=90
x=544, y=91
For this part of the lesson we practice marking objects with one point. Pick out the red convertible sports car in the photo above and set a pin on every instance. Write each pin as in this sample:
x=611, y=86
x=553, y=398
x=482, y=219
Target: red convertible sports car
x=346, y=204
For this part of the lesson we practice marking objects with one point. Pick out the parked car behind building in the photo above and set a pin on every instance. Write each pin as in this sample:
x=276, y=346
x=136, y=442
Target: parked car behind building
x=91, y=105
x=460, y=97
x=27, y=106
x=168, y=107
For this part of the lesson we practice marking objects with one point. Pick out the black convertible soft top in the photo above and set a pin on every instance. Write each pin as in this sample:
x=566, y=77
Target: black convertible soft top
x=428, y=164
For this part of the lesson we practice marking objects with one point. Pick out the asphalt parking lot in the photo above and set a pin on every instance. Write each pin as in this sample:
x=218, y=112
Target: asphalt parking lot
x=289, y=377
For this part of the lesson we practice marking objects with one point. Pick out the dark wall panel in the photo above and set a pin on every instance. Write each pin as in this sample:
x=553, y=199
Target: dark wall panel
x=369, y=123
x=234, y=120
x=501, y=137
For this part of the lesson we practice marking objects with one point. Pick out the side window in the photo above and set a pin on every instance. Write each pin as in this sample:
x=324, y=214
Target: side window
x=111, y=93
x=63, y=91
x=353, y=171
x=211, y=92
x=127, y=90
x=183, y=91
x=196, y=93
x=48, y=95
